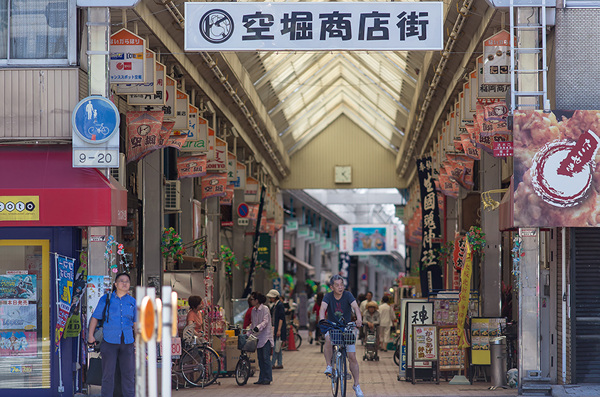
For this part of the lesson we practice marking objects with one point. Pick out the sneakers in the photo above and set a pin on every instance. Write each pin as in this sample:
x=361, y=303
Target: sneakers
x=328, y=370
x=358, y=392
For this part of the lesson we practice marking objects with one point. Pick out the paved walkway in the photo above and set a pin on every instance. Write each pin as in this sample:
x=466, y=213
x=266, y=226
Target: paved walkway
x=302, y=375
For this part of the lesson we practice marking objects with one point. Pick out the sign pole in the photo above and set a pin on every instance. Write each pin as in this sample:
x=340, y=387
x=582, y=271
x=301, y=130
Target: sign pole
x=61, y=387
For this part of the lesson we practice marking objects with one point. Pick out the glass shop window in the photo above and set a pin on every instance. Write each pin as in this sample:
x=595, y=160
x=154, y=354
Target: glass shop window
x=24, y=314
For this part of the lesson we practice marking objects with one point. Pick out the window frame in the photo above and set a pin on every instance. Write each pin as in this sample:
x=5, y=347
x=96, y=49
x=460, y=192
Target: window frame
x=70, y=60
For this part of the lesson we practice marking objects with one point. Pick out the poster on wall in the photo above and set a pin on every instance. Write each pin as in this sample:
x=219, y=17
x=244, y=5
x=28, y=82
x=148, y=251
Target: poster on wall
x=18, y=317
x=555, y=168
x=96, y=287
x=18, y=343
x=18, y=286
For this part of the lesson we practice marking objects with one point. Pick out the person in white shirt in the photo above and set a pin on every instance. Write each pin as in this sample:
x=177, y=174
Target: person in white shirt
x=387, y=318
x=363, y=304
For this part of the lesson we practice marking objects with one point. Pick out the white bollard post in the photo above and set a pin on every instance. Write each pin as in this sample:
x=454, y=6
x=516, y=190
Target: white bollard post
x=167, y=308
x=152, y=372
x=140, y=349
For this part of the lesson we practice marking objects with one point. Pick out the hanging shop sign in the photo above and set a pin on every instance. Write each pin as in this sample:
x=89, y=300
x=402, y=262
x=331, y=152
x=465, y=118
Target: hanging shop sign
x=198, y=139
x=95, y=121
x=555, y=166
x=191, y=166
x=485, y=90
x=192, y=132
x=231, y=167
x=127, y=57
x=228, y=198
x=143, y=133
x=182, y=106
x=219, y=163
x=496, y=58
x=251, y=191
x=170, y=103
x=322, y=26
x=148, y=86
x=264, y=251
x=19, y=208
x=213, y=185
x=240, y=180
x=157, y=97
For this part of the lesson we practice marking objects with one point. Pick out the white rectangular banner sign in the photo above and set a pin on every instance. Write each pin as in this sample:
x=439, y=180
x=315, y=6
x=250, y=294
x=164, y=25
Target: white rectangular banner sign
x=312, y=26
x=367, y=239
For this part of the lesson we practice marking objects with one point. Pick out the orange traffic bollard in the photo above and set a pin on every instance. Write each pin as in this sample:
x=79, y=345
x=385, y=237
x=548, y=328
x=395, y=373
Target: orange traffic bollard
x=291, y=340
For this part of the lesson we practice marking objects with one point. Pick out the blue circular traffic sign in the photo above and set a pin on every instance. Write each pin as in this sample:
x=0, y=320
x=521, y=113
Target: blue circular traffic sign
x=243, y=210
x=95, y=119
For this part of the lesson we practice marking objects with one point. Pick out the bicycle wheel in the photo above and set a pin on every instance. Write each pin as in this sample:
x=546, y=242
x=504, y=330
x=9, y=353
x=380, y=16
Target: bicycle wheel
x=343, y=373
x=242, y=371
x=200, y=367
x=297, y=340
x=335, y=378
x=397, y=357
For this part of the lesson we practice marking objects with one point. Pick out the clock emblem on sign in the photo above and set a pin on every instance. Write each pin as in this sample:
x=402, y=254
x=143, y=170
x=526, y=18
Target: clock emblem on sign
x=216, y=26
x=144, y=129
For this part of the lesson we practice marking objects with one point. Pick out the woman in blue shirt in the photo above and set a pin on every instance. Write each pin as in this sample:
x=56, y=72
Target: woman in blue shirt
x=118, y=329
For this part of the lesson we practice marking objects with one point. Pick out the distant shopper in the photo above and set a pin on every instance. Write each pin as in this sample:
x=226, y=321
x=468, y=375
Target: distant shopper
x=261, y=325
x=118, y=330
x=386, y=313
x=279, y=328
x=194, y=316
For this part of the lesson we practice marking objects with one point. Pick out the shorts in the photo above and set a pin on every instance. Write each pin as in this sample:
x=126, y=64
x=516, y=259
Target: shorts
x=349, y=348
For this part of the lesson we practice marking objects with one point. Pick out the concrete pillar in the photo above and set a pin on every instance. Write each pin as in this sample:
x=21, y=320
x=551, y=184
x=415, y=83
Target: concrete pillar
x=239, y=248
x=371, y=277
x=362, y=269
x=187, y=217
x=213, y=244
x=317, y=260
x=491, y=268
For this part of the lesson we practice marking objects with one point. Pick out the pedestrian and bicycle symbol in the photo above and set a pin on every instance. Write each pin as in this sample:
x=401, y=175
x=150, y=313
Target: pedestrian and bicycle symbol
x=95, y=119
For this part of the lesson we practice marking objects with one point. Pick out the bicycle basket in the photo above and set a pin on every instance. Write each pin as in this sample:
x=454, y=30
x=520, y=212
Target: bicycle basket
x=342, y=337
x=250, y=343
x=188, y=335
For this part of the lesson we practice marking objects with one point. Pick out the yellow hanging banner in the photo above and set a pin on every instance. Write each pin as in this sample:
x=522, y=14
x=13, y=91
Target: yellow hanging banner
x=465, y=294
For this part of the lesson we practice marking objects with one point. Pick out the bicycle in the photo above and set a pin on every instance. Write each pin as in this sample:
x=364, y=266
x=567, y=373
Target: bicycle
x=297, y=338
x=340, y=335
x=200, y=364
x=246, y=343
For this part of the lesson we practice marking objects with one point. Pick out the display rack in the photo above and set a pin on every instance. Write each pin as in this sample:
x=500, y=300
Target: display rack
x=451, y=357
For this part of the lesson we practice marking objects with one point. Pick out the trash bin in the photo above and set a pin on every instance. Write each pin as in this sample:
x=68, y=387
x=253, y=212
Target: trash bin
x=498, y=362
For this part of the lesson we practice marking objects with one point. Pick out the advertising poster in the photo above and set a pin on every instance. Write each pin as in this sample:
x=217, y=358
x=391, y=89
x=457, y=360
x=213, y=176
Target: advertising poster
x=18, y=286
x=555, y=168
x=369, y=239
x=18, y=343
x=96, y=287
x=18, y=317
x=425, y=342
x=127, y=57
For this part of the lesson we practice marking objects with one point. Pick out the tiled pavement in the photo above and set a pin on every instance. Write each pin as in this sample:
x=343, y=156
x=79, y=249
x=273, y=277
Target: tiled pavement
x=302, y=375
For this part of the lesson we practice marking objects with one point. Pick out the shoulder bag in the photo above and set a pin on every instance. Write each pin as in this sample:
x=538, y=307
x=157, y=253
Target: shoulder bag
x=99, y=331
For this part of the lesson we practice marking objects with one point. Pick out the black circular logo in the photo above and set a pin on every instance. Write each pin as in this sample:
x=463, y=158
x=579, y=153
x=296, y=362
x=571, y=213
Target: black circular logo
x=30, y=206
x=216, y=26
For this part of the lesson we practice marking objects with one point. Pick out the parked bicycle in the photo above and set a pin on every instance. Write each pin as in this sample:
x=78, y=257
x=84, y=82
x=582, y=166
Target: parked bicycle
x=297, y=337
x=246, y=343
x=341, y=335
x=200, y=364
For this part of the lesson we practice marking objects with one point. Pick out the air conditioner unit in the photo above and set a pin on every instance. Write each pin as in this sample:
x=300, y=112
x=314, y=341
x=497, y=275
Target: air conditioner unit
x=119, y=173
x=173, y=196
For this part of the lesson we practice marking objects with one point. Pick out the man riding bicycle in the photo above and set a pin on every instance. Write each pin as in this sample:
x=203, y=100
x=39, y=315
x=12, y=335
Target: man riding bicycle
x=336, y=304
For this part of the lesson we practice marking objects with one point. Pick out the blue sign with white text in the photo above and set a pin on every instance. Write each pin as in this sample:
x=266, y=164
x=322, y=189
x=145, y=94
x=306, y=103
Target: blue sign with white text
x=95, y=119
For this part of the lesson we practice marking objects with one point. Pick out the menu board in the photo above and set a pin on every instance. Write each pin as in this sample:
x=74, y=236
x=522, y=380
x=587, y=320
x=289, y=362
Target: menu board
x=451, y=357
x=483, y=329
x=446, y=310
x=425, y=343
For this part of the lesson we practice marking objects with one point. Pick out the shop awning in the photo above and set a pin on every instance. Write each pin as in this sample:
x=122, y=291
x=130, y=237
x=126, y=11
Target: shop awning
x=39, y=187
x=299, y=262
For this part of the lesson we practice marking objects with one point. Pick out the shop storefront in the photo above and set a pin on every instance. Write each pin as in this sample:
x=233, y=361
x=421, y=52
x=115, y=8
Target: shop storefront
x=45, y=204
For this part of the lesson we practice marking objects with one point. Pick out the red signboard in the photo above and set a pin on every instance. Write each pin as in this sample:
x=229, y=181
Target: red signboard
x=503, y=149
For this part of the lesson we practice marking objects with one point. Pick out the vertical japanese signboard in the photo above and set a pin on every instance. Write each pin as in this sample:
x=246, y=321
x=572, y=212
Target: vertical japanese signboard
x=496, y=58
x=127, y=57
x=219, y=163
x=319, y=26
x=182, y=105
x=431, y=228
x=240, y=180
